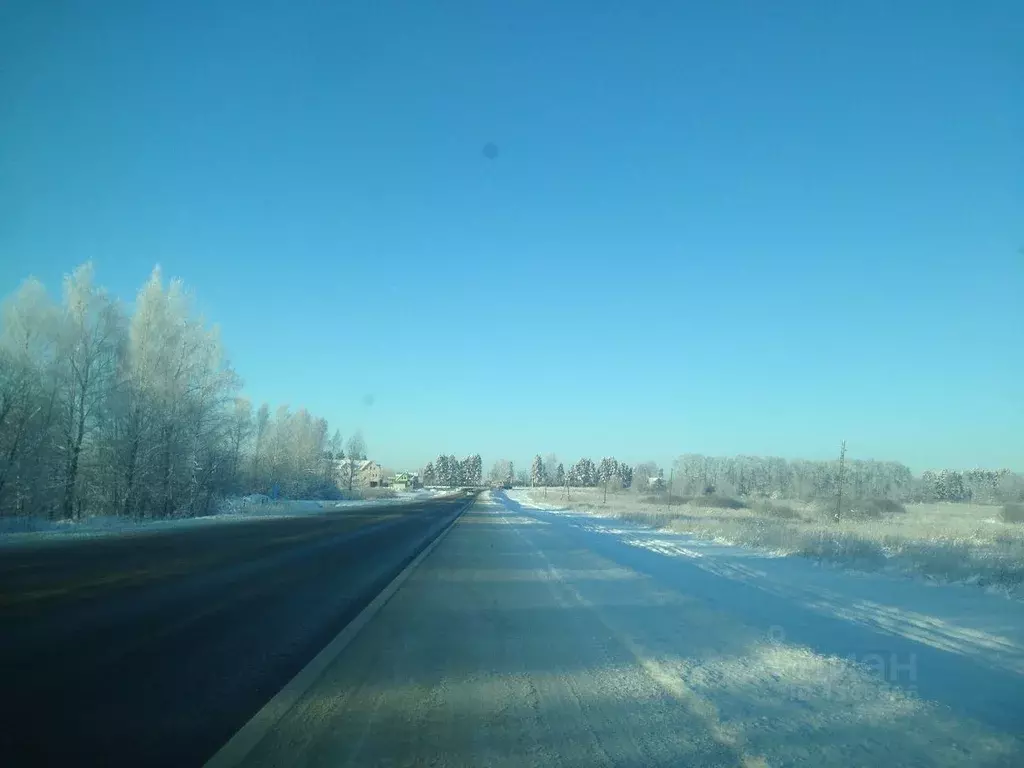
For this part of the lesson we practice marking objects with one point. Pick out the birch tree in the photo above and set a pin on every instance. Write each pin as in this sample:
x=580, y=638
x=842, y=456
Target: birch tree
x=356, y=449
x=90, y=334
x=28, y=392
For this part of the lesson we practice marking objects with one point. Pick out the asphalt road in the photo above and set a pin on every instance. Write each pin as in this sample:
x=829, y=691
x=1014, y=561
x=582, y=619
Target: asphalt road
x=153, y=649
x=517, y=643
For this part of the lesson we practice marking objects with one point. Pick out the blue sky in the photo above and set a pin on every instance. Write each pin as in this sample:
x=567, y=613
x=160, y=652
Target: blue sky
x=716, y=227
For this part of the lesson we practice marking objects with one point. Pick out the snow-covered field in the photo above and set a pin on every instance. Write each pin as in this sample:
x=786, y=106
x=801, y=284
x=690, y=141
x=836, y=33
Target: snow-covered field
x=944, y=616
x=547, y=637
x=940, y=542
x=27, y=529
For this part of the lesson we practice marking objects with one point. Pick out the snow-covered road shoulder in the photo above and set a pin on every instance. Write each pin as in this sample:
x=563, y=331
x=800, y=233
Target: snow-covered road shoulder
x=827, y=651
x=938, y=543
x=950, y=643
x=951, y=617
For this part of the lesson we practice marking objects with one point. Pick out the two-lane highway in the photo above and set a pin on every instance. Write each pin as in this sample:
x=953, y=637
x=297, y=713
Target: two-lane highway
x=153, y=648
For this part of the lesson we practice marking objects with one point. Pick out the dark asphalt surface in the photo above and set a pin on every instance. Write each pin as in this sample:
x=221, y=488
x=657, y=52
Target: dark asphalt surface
x=154, y=648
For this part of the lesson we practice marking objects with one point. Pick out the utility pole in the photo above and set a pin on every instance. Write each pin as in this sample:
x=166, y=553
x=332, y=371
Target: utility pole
x=839, y=494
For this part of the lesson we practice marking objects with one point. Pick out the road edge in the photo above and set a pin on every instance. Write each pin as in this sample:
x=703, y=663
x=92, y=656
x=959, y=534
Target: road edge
x=246, y=738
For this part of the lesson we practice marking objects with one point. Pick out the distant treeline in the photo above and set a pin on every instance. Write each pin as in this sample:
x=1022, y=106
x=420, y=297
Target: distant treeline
x=773, y=477
x=800, y=479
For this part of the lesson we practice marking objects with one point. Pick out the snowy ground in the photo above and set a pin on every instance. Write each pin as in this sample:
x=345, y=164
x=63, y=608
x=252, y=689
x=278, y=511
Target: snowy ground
x=945, y=542
x=24, y=530
x=538, y=637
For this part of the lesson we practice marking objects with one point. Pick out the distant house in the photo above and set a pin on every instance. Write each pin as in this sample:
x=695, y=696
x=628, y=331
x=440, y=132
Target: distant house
x=655, y=483
x=367, y=473
x=405, y=481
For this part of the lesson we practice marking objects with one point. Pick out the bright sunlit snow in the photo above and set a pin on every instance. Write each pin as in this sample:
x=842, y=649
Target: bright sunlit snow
x=953, y=643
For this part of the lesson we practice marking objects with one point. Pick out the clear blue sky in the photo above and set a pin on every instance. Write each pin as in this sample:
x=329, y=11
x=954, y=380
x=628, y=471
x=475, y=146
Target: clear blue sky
x=717, y=227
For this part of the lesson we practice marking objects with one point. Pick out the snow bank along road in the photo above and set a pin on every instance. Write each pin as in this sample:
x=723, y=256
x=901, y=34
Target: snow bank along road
x=153, y=648
x=527, y=638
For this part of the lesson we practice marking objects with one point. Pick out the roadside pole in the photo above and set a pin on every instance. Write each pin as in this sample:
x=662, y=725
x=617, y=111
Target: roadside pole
x=839, y=495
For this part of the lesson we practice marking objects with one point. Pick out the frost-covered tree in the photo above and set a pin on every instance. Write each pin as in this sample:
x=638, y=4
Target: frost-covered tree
x=550, y=464
x=501, y=472
x=625, y=473
x=537, y=471
x=429, y=478
x=467, y=471
x=951, y=486
x=28, y=395
x=102, y=411
x=476, y=476
x=583, y=473
x=89, y=337
x=1009, y=486
x=450, y=472
x=559, y=475
x=259, y=475
x=336, y=445
x=356, y=450
x=443, y=471
x=241, y=430
x=780, y=478
x=176, y=389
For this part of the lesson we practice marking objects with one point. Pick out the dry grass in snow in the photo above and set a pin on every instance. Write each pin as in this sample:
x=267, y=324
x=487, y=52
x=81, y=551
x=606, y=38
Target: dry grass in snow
x=946, y=542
